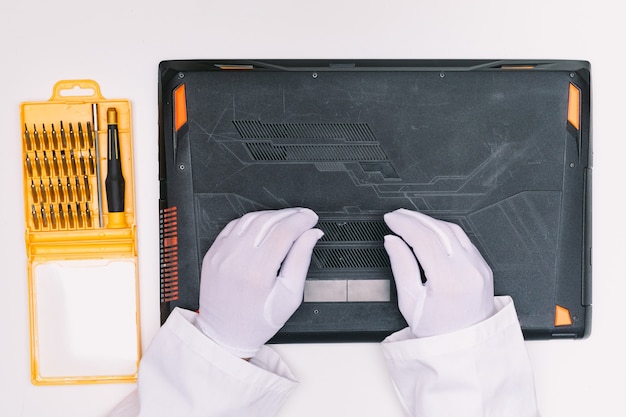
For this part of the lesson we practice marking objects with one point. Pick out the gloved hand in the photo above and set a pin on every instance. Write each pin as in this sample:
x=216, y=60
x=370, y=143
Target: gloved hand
x=459, y=287
x=253, y=277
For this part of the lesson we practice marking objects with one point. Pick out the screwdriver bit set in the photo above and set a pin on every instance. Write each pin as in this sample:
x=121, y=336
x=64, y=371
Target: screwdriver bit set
x=80, y=233
x=62, y=173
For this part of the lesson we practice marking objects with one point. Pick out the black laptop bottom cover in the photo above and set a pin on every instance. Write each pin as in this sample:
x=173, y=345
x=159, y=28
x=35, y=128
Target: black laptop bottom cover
x=495, y=150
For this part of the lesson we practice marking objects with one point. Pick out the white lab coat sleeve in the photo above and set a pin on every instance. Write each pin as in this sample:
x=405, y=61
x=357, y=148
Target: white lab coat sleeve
x=480, y=371
x=184, y=373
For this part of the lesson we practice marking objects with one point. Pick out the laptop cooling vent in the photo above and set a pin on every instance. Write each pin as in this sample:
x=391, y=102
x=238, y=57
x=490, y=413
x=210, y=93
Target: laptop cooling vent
x=351, y=245
x=353, y=231
x=358, y=258
x=354, y=132
x=267, y=151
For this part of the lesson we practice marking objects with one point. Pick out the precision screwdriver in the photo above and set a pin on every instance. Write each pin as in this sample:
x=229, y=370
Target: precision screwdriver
x=114, y=182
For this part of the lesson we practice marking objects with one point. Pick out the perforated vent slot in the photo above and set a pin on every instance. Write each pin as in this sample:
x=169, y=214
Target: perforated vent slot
x=253, y=129
x=350, y=258
x=369, y=231
x=168, y=225
x=267, y=151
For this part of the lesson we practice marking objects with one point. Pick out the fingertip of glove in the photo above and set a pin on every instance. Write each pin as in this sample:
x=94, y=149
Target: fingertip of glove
x=312, y=236
x=319, y=233
x=391, y=240
x=310, y=214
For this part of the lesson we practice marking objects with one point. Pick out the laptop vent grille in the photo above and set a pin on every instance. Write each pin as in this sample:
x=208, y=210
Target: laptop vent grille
x=342, y=258
x=252, y=129
x=353, y=231
x=266, y=151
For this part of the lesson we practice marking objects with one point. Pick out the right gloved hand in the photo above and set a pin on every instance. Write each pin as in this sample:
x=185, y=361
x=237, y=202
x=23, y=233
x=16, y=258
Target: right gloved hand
x=253, y=275
x=459, y=287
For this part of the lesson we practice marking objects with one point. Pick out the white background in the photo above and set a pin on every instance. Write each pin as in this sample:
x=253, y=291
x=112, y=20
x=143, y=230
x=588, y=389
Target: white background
x=120, y=44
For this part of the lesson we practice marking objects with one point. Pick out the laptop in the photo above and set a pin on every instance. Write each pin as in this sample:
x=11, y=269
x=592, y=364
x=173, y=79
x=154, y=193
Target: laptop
x=499, y=147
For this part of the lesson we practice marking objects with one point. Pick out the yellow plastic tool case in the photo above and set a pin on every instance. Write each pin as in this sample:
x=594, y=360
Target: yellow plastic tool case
x=80, y=236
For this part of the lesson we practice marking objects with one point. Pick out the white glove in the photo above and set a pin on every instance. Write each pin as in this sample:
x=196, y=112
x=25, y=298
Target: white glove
x=459, y=287
x=253, y=277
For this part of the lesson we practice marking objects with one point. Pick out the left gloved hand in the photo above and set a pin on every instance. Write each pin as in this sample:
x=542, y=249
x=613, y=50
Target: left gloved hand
x=253, y=276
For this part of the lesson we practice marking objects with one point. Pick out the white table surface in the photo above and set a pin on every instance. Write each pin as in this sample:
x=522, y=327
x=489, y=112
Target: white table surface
x=120, y=44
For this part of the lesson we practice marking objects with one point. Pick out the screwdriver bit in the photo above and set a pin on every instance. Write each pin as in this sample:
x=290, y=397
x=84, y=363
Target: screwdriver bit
x=73, y=162
x=55, y=140
x=46, y=163
x=78, y=193
x=53, y=220
x=35, y=219
x=61, y=216
x=37, y=164
x=36, y=136
x=44, y=196
x=29, y=144
x=29, y=166
x=70, y=197
x=55, y=163
x=61, y=193
x=81, y=135
x=33, y=190
x=72, y=137
x=64, y=163
x=63, y=137
x=46, y=141
x=70, y=216
x=87, y=189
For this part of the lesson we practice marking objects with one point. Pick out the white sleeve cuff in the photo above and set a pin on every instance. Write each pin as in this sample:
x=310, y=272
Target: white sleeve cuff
x=186, y=373
x=404, y=345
